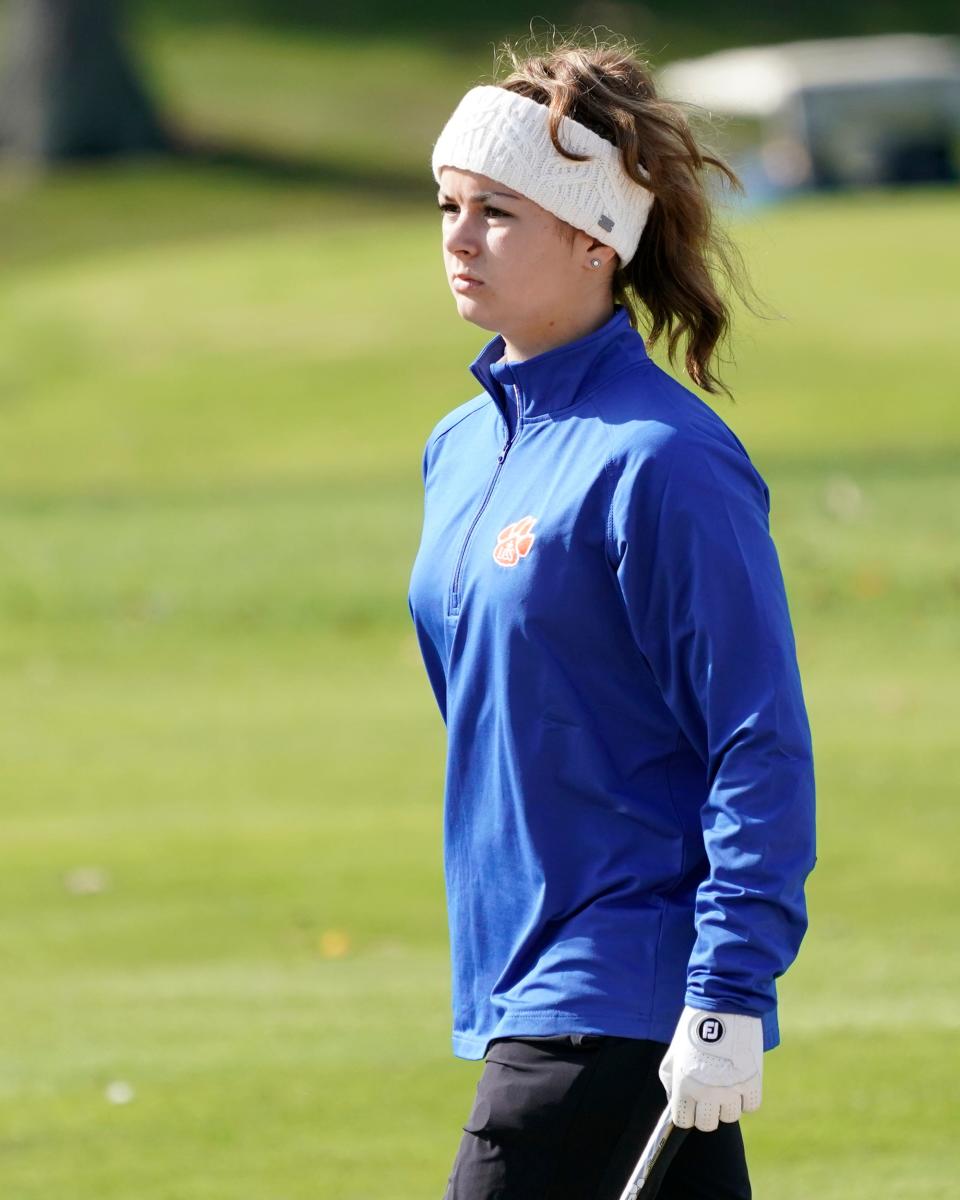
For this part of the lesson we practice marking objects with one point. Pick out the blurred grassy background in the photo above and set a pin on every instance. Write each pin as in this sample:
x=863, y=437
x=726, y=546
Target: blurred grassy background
x=221, y=763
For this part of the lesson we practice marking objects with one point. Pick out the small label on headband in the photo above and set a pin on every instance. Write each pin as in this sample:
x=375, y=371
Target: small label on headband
x=605, y=222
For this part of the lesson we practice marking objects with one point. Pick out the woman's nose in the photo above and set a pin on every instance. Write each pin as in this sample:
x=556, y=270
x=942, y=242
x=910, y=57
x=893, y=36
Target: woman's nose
x=459, y=235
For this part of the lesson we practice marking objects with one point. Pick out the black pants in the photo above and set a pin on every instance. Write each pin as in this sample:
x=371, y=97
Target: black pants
x=566, y=1117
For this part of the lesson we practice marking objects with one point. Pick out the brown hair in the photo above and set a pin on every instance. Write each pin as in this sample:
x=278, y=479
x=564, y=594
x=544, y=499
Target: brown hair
x=609, y=88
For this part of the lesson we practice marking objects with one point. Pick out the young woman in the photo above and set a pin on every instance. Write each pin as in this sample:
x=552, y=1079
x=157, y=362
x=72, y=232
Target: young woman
x=629, y=788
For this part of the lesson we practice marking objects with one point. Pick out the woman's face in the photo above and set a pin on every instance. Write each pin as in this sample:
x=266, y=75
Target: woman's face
x=531, y=266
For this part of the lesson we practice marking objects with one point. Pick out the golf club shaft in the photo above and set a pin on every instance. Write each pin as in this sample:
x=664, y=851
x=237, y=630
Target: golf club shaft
x=656, y=1157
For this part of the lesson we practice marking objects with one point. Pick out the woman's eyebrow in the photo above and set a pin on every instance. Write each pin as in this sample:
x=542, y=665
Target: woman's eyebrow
x=478, y=196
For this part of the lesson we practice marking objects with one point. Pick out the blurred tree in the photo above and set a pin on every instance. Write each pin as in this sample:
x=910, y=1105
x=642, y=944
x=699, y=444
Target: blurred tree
x=696, y=26
x=69, y=87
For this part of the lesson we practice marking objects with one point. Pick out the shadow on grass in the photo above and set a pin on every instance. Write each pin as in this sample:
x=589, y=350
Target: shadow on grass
x=84, y=207
x=261, y=166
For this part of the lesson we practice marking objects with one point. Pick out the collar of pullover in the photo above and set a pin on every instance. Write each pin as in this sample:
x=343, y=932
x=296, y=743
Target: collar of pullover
x=554, y=379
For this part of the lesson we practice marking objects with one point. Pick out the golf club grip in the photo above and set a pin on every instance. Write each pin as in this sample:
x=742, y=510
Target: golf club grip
x=657, y=1156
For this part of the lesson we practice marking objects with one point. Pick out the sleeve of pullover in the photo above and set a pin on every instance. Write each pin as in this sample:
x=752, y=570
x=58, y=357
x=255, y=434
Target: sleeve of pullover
x=705, y=598
x=431, y=656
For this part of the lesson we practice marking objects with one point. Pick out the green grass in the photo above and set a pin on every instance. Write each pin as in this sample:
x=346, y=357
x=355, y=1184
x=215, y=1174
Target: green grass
x=214, y=394
x=349, y=100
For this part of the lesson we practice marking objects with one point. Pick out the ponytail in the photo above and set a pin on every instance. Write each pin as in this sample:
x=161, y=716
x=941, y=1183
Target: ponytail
x=609, y=88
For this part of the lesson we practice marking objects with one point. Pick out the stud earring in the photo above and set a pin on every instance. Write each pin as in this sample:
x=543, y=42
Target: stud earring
x=594, y=262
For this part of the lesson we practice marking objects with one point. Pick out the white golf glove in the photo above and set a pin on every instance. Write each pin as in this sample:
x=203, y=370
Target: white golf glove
x=713, y=1068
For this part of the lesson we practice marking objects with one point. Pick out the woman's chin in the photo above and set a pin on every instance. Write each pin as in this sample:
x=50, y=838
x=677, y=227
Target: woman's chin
x=473, y=309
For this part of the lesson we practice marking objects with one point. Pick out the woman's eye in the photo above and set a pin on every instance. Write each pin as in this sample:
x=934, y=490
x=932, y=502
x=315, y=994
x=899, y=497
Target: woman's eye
x=487, y=208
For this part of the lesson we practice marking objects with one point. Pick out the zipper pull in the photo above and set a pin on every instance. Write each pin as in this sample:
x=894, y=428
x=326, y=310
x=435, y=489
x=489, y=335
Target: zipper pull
x=503, y=453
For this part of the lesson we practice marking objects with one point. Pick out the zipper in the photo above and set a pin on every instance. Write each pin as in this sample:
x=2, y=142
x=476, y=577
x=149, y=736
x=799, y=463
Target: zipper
x=454, y=592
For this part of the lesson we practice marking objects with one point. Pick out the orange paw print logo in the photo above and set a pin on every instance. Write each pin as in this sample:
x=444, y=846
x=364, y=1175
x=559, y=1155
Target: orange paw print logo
x=514, y=542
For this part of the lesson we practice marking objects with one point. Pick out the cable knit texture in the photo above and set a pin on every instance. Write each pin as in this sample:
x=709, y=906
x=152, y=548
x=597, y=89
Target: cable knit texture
x=506, y=136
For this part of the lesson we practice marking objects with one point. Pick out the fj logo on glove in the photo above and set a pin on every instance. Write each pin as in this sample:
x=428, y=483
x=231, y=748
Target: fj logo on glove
x=514, y=542
x=710, y=1030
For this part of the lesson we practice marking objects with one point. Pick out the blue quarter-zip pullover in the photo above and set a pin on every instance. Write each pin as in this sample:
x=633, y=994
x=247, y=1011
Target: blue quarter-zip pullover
x=629, y=790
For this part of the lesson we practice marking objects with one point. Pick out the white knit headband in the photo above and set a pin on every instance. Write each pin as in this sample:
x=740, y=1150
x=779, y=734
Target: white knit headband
x=494, y=131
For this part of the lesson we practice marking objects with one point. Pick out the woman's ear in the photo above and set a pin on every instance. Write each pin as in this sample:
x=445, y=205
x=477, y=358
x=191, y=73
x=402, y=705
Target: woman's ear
x=599, y=252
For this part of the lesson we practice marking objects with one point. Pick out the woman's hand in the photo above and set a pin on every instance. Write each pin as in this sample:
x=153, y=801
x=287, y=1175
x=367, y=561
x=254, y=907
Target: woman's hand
x=713, y=1069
